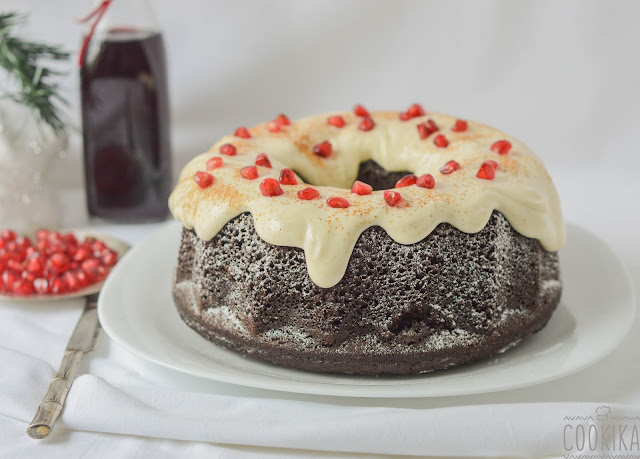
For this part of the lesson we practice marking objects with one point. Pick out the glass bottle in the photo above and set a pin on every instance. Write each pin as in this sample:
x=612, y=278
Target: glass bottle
x=125, y=113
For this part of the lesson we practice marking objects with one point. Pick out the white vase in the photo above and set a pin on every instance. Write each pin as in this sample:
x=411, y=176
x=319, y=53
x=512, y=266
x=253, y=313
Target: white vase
x=27, y=151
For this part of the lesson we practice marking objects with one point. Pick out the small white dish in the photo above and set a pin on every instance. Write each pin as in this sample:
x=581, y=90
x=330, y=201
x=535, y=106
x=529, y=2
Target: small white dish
x=113, y=243
x=136, y=309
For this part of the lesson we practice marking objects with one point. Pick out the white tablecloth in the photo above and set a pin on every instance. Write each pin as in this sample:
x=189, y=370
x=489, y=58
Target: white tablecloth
x=121, y=405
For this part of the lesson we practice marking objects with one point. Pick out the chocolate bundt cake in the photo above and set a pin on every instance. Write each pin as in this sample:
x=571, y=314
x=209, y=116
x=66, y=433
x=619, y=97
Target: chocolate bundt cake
x=415, y=242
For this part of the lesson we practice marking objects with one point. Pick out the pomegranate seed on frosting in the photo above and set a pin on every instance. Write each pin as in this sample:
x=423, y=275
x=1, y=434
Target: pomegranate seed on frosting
x=366, y=124
x=274, y=126
x=287, y=177
x=270, y=187
x=407, y=180
x=404, y=116
x=228, y=149
x=460, y=126
x=203, y=179
x=359, y=110
x=243, y=132
x=283, y=120
x=214, y=163
x=263, y=160
x=441, y=141
x=249, y=172
x=393, y=198
x=308, y=194
x=361, y=188
x=336, y=121
x=449, y=167
x=338, y=203
x=323, y=149
x=487, y=171
x=415, y=110
x=426, y=181
x=502, y=147
x=427, y=128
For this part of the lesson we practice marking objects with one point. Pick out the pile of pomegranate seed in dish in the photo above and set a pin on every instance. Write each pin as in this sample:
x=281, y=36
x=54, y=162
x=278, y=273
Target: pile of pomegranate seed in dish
x=52, y=264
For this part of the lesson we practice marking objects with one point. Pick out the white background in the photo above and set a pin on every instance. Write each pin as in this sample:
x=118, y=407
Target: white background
x=563, y=76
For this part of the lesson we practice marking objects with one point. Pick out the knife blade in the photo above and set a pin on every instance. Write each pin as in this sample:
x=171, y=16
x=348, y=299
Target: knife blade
x=83, y=340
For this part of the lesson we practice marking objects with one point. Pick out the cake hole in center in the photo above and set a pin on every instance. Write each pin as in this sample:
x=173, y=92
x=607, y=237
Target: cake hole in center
x=378, y=177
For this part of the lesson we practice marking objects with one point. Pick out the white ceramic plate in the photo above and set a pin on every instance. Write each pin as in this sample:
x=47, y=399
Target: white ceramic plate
x=136, y=309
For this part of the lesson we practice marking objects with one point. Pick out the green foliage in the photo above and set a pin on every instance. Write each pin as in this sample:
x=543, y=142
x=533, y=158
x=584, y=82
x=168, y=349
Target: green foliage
x=22, y=61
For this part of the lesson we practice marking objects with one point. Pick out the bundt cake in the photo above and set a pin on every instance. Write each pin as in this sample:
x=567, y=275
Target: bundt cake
x=367, y=243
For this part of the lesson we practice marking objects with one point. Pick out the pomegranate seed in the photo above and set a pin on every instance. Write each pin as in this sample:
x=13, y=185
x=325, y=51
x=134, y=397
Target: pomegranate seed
x=366, y=124
x=70, y=239
x=283, y=120
x=270, y=187
x=426, y=181
x=71, y=281
x=361, y=188
x=228, y=149
x=449, y=167
x=90, y=264
x=15, y=265
x=308, y=194
x=9, y=276
x=243, y=132
x=427, y=128
x=492, y=164
x=323, y=149
x=203, y=179
x=287, y=177
x=338, y=203
x=502, y=147
x=109, y=258
x=7, y=235
x=59, y=262
x=81, y=254
x=214, y=163
x=459, y=126
x=58, y=285
x=82, y=278
x=274, y=126
x=55, y=237
x=42, y=234
x=35, y=266
x=487, y=171
x=23, y=242
x=393, y=198
x=22, y=287
x=41, y=285
x=404, y=116
x=415, y=110
x=249, y=172
x=359, y=110
x=423, y=131
x=336, y=121
x=407, y=180
x=262, y=160
x=440, y=141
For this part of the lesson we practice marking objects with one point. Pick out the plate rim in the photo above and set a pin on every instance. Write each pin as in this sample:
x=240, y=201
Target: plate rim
x=274, y=382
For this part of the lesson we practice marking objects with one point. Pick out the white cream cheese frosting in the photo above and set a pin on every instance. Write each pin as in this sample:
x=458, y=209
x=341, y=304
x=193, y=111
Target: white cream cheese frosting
x=521, y=189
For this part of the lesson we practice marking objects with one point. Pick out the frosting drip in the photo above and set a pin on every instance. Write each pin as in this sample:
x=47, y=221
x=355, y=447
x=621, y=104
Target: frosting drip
x=521, y=190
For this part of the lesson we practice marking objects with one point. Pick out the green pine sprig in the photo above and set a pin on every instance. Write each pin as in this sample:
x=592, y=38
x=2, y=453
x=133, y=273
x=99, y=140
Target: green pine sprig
x=23, y=62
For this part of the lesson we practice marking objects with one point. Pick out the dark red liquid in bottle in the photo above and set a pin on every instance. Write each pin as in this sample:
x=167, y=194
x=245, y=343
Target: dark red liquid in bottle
x=125, y=123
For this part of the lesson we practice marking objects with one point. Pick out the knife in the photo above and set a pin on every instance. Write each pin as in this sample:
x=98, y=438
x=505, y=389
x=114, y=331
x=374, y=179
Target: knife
x=82, y=340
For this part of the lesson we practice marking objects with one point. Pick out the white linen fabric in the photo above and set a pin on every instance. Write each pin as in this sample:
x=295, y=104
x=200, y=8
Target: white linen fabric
x=561, y=75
